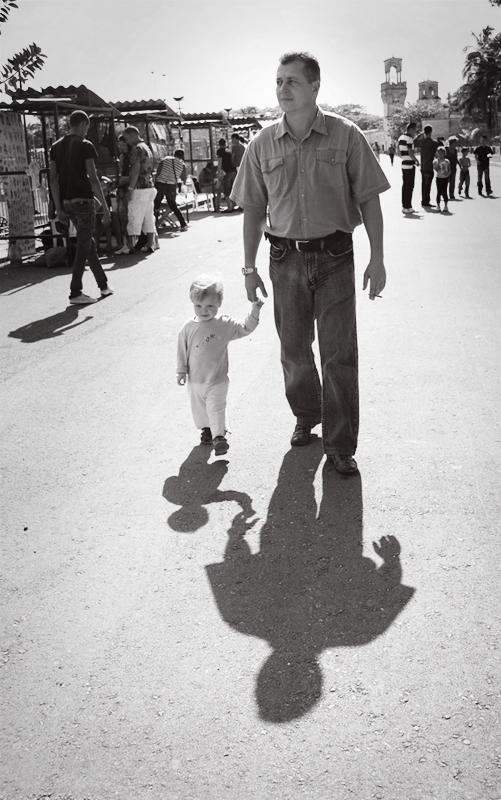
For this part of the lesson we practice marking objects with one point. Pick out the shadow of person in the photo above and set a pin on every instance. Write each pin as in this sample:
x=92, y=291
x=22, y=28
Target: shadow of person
x=50, y=327
x=309, y=587
x=196, y=487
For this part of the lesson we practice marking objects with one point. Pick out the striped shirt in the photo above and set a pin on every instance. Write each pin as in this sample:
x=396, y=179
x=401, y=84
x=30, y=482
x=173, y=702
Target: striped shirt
x=170, y=170
x=403, y=150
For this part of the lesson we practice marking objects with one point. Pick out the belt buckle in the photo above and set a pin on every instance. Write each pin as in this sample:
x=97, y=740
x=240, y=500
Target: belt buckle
x=300, y=241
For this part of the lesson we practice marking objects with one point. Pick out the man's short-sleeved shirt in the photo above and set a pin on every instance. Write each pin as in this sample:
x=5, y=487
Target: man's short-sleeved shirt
x=237, y=153
x=428, y=148
x=140, y=154
x=226, y=160
x=405, y=145
x=70, y=154
x=170, y=170
x=482, y=153
x=314, y=187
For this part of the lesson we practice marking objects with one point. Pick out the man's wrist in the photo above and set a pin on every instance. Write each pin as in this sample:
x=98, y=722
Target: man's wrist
x=248, y=270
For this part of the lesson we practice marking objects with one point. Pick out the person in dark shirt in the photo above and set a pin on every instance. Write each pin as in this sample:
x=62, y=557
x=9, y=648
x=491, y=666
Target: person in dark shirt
x=428, y=147
x=74, y=184
x=227, y=173
x=483, y=154
x=451, y=153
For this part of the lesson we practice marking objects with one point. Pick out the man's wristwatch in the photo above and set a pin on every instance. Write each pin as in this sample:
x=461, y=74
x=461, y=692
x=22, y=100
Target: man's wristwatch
x=248, y=270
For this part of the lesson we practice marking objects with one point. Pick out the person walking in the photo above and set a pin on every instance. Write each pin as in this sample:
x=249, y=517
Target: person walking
x=141, y=193
x=227, y=173
x=409, y=162
x=171, y=171
x=74, y=185
x=483, y=154
x=308, y=180
x=391, y=153
x=428, y=147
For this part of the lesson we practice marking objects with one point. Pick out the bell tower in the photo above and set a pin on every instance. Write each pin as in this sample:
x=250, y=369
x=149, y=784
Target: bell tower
x=393, y=94
x=428, y=91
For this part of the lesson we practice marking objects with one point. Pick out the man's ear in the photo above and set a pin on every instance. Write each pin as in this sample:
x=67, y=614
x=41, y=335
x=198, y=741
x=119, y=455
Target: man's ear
x=315, y=87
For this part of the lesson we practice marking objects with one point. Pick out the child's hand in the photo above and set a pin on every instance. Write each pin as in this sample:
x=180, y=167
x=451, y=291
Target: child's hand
x=181, y=378
x=258, y=303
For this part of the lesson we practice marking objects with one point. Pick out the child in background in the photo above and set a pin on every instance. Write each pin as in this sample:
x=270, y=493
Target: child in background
x=202, y=357
x=464, y=174
x=442, y=167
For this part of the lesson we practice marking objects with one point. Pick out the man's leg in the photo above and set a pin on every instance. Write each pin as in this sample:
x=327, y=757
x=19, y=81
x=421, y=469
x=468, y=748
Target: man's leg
x=480, y=171
x=333, y=276
x=82, y=214
x=426, y=181
x=171, y=200
x=294, y=319
x=487, y=175
x=452, y=183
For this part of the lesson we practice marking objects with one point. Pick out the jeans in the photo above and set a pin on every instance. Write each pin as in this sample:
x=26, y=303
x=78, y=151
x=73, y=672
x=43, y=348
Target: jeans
x=452, y=182
x=168, y=190
x=408, y=177
x=442, y=184
x=319, y=287
x=82, y=214
x=484, y=171
x=426, y=182
x=464, y=179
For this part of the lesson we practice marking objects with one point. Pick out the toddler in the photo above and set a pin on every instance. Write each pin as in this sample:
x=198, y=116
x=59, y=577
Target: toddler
x=442, y=167
x=464, y=175
x=202, y=357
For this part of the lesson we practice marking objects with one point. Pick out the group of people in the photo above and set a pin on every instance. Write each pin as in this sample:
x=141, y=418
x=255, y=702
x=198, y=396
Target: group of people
x=443, y=162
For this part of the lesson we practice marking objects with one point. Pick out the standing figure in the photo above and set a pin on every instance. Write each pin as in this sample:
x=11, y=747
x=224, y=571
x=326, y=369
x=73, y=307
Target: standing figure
x=141, y=193
x=428, y=147
x=391, y=152
x=202, y=357
x=308, y=180
x=464, y=172
x=451, y=154
x=409, y=162
x=227, y=173
x=74, y=184
x=442, y=168
x=483, y=154
x=171, y=171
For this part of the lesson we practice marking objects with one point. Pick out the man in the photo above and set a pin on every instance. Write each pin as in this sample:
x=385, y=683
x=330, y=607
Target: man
x=141, y=192
x=483, y=154
x=451, y=153
x=74, y=185
x=428, y=147
x=227, y=173
x=237, y=150
x=409, y=161
x=308, y=181
x=171, y=171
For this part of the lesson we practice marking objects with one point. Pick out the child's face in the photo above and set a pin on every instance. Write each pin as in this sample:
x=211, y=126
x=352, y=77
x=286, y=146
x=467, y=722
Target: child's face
x=440, y=155
x=207, y=307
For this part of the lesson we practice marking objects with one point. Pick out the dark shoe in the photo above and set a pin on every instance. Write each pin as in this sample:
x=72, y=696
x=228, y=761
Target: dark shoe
x=301, y=435
x=206, y=436
x=345, y=465
x=221, y=446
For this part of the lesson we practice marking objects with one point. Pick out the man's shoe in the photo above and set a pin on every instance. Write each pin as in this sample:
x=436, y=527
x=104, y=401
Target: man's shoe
x=301, y=435
x=221, y=446
x=345, y=465
x=147, y=249
x=183, y=228
x=124, y=251
x=408, y=211
x=106, y=292
x=206, y=436
x=82, y=300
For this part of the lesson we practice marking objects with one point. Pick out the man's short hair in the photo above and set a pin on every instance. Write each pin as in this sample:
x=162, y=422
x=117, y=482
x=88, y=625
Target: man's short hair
x=179, y=154
x=464, y=149
x=484, y=136
x=453, y=139
x=311, y=67
x=77, y=117
x=411, y=125
x=222, y=143
x=131, y=129
x=427, y=129
x=235, y=136
x=204, y=285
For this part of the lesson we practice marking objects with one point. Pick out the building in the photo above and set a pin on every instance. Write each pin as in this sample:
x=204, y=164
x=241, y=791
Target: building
x=393, y=94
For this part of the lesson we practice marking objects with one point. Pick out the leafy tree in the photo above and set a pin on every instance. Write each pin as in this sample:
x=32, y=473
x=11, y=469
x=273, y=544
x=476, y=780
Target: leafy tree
x=356, y=114
x=415, y=112
x=482, y=70
x=21, y=67
x=495, y=2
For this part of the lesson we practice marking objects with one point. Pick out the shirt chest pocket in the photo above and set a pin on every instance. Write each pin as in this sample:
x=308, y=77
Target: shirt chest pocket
x=331, y=167
x=274, y=175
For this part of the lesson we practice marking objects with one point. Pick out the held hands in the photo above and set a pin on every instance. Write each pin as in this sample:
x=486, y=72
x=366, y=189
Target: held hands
x=376, y=274
x=253, y=282
x=181, y=378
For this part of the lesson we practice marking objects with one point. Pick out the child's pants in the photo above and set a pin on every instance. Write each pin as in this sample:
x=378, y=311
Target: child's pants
x=464, y=178
x=442, y=184
x=208, y=406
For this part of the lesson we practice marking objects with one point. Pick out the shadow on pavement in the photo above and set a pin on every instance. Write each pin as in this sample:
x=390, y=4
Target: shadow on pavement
x=196, y=487
x=15, y=279
x=309, y=587
x=50, y=327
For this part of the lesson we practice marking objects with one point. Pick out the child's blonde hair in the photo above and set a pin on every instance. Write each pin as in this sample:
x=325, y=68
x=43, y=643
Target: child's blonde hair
x=441, y=150
x=204, y=285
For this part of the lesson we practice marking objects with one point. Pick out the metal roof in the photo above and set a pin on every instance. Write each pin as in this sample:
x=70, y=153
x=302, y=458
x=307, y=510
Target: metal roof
x=125, y=106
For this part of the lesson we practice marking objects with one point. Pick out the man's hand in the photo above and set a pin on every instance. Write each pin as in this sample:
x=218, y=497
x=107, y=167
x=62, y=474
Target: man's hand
x=106, y=217
x=376, y=274
x=181, y=378
x=61, y=216
x=253, y=282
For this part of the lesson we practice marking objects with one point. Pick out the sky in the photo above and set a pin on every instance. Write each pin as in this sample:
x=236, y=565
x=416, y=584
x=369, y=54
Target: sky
x=222, y=54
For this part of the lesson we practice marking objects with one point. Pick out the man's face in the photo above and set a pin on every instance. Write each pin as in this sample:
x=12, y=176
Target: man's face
x=294, y=93
x=131, y=138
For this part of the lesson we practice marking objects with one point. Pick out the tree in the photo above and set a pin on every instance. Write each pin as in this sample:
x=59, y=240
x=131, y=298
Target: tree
x=22, y=66
x=481, y=93
x=356, y=114
x=415, y=112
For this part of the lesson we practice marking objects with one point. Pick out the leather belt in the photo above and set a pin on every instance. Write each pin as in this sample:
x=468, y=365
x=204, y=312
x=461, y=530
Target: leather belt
x=308, y=245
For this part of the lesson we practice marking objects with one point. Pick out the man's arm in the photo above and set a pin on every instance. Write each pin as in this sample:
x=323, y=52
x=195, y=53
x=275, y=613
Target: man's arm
x=412, y=154
x=253, y=231
x=133, y=176
x=375, y=272
x=54, y=190
x=97, y=189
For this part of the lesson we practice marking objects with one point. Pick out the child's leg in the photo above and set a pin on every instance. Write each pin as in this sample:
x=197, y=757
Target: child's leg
x=216, y=408
x=197, y=393
x=467, y=184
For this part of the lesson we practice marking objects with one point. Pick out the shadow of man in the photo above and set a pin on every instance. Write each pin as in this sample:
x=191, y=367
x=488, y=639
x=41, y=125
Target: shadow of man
x=50, y=327
x=196, y=487
x=309, y=587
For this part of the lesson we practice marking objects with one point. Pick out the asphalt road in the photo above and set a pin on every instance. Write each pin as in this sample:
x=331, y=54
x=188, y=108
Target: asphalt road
x=181, y=627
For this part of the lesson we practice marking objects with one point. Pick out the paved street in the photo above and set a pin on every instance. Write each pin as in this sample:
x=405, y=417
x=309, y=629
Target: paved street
x=180, y=627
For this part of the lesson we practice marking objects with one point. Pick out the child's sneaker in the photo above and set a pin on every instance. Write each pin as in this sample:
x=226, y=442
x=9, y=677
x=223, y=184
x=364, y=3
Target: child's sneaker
x=221, y=446
x=206, y=436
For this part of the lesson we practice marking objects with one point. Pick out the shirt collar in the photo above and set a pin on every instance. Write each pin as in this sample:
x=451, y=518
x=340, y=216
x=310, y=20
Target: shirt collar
x=319, y=125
